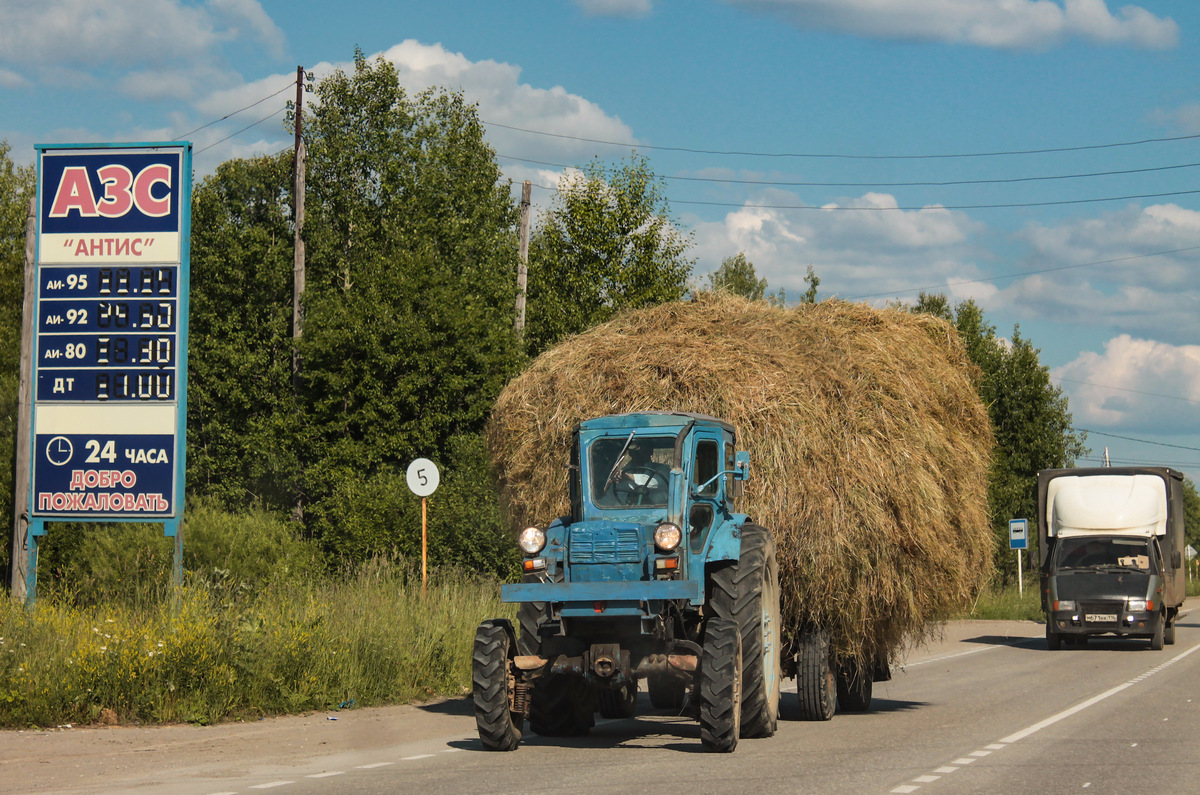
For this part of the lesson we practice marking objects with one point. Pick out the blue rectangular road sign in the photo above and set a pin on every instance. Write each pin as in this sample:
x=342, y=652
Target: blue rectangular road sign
x=110, y=370
x=1018, y=534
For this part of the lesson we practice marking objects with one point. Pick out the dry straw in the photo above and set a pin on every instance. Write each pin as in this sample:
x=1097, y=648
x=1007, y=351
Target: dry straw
x=869, y=446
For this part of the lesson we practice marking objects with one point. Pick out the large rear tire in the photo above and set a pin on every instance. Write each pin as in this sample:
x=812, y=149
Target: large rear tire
x=530, y=616
x=853, y=687
x=719, y=685
x=1169, y=633
x=618, y=703
x=816, y=689
x=1156, y=640
x=492, y=685
x=562, y=706
x=748, y=593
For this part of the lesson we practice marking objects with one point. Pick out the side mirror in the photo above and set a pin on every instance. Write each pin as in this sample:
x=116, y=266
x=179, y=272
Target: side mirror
x=741, y=465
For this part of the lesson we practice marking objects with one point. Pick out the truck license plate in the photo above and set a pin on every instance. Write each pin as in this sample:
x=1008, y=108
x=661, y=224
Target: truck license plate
x=1101, y=618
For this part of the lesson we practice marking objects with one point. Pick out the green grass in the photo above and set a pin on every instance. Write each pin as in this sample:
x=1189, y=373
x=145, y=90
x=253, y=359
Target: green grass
x=1008, y=604
x=367, y=638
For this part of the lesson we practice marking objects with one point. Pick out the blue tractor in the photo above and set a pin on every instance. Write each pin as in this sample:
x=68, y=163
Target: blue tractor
x=653, y=576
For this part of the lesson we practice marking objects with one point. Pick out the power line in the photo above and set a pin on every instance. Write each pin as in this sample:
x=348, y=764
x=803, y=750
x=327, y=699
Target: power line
x=834, y=155
x=1007, y=205
x=236, y=112
x=1025, y=273
x=1131, y=391
x=945, y=183
x=1132, y=439
x=239, y=132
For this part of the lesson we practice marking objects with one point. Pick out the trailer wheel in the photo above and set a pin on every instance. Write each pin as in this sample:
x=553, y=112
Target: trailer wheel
x=815, y=686
x=618, y=703
x=853, y=687
x=1156, y=640
x=562, y=706
x=1053, y=639
x=666, y=692
x=720, y=685
x=748, y=593
x=492, y=687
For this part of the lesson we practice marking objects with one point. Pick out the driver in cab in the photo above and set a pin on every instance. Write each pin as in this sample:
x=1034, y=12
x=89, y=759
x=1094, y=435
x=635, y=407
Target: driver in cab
x=642, y=479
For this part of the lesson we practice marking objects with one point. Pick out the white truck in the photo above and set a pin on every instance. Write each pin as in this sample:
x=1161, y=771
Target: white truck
x=1111, y=546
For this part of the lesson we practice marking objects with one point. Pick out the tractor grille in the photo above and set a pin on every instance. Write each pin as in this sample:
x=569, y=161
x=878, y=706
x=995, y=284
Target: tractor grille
x=605, y=545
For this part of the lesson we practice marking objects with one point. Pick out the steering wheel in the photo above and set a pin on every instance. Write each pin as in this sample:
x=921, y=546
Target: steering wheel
x=630, y=492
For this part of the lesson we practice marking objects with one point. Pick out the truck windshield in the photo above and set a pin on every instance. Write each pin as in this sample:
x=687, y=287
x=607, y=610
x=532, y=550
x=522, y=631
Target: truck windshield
x=1094, y=553
x=631, y=471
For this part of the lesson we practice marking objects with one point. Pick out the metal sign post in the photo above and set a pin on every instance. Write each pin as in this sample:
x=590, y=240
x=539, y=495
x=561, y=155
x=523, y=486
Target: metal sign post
x=109, y=383
x=1018, y=539
x=423, y=479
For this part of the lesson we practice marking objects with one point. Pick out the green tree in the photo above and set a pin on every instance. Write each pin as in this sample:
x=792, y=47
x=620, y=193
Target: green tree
x=16, y=189
x=411, y=286
x=1030, y=417
x=242, y=417
x=736, y=275
x=607, y=244
x=1191, y=513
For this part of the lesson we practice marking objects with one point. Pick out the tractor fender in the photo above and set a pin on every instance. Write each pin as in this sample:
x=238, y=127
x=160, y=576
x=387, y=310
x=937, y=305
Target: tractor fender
x=725, y=540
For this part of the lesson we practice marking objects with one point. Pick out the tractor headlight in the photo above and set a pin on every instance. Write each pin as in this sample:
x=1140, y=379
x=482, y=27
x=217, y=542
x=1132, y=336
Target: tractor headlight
x=667, y=536
x=531, y=540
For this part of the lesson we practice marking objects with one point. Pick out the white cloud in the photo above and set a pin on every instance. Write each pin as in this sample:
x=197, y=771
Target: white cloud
x=1135, y=384
x=1096, y=271
x=616, y=8
x=1008, y=24
x=10, y=79
x=1185, y=118
x=83, y=36
x=860, y=252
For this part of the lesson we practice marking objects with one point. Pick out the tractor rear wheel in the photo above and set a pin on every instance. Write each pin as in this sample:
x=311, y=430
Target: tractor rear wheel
x=492, y=687
x=719, y=685
x=748, y=593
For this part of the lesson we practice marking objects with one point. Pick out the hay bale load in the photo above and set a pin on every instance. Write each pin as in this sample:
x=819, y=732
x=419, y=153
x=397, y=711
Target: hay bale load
x=869, y=446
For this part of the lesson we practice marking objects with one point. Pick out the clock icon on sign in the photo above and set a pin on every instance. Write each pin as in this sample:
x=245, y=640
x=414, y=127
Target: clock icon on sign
x=59, y=451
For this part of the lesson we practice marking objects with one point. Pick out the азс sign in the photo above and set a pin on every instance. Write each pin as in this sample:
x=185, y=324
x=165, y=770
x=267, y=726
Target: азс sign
x=111, y=333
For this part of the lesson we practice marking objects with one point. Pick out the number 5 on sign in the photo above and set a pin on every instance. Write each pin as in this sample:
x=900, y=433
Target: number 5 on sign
x=423, y=479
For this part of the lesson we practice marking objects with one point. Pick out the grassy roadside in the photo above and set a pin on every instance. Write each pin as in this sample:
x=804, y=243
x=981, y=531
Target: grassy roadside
x=300, y=644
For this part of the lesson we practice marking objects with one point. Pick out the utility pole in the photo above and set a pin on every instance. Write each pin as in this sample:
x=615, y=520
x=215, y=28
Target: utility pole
x=523, y=261
x=298, y=245
x=20, y=556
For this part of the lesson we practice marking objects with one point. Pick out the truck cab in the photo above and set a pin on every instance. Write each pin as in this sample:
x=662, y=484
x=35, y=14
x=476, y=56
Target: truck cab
x=653, y=575
x=1112, y=553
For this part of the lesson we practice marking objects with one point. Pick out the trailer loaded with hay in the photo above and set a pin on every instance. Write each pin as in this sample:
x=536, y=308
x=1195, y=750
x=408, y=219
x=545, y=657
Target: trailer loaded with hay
x=869, y=449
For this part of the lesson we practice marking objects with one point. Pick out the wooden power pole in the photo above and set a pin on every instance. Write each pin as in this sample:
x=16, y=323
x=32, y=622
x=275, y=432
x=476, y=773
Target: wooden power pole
x=20, y=544
x=298, y=246
x=523, y=260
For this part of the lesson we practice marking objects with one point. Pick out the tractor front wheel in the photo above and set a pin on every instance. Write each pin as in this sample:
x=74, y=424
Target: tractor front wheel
x=492, y=688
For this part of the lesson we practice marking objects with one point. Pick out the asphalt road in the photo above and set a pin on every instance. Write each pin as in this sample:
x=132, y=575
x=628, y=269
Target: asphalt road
x=985, y=709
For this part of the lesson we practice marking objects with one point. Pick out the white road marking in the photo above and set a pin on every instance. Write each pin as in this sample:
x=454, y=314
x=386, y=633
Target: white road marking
x=327, y=775
x=271, y=784
x=418, y=756
x=1037, y=727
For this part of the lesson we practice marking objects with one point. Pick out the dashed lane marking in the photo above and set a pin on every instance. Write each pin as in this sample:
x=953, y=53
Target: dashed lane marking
x=1036, y=727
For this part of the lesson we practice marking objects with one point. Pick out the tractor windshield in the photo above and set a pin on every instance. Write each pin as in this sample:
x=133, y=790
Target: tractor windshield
x=631, y=471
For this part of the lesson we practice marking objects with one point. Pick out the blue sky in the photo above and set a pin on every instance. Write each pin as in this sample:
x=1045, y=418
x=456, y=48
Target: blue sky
x=795, y=131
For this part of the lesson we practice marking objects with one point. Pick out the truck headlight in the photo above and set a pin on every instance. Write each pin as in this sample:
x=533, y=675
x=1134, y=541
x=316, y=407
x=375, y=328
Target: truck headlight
x=531, y=540
x=667, y=536
x=1137, y=605
x=1064, y=604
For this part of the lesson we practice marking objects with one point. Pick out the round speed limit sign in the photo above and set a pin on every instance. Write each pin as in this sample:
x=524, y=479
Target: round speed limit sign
x=423, y=477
